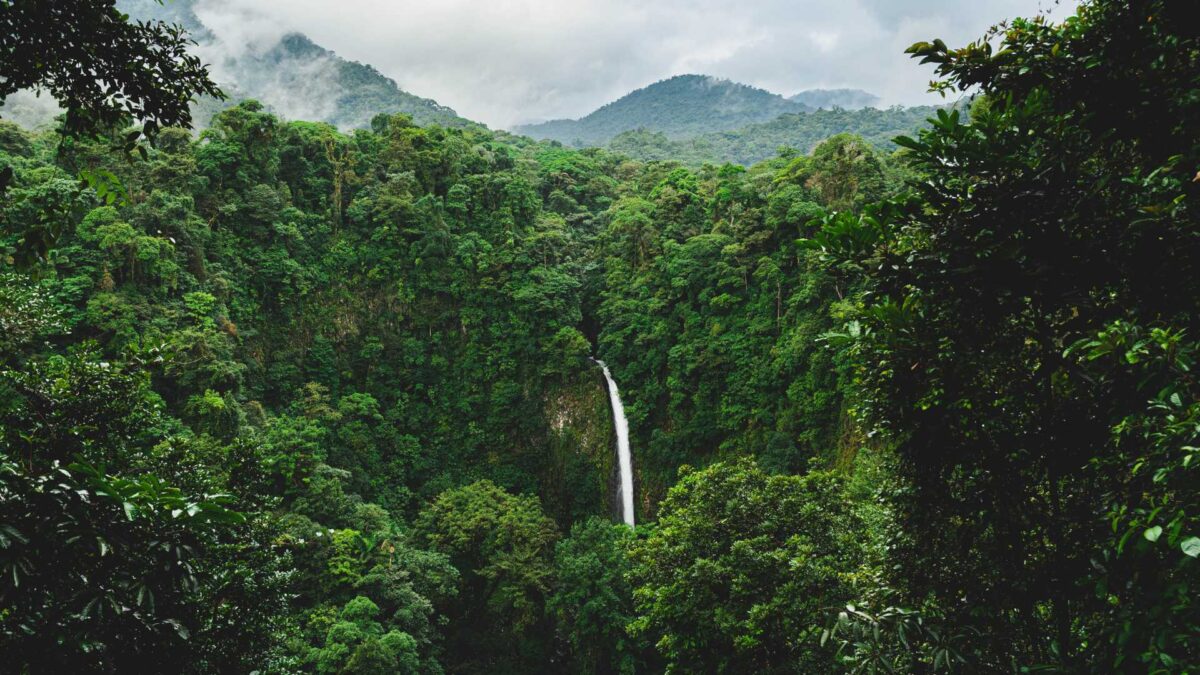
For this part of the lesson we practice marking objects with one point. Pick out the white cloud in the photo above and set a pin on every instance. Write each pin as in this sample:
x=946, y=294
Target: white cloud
x=509, y=61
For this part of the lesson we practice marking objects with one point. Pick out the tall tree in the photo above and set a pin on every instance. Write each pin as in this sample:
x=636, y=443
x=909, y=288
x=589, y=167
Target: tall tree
x=1027, y=338
x=104, y=69
x=741, y=566
x=503, y=544
x=593, y=601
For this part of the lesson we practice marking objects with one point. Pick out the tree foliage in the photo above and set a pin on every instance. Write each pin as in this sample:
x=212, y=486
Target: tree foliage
x=1025, y=341
x=593, y=601
x=740, y=568
x=106, y=72
x=306, y=400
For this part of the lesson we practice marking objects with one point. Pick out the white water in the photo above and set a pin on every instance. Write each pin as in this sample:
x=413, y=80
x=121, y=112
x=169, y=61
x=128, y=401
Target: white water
x=624, y=460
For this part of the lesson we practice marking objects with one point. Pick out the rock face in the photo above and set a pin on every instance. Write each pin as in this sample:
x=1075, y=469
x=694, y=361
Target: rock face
x=582, y=470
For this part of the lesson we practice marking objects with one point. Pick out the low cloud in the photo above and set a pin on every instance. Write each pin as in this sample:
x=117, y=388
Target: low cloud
x=505, y=62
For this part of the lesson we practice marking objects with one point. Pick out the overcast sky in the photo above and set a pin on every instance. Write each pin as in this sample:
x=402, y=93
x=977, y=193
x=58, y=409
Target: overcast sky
x=505, y=62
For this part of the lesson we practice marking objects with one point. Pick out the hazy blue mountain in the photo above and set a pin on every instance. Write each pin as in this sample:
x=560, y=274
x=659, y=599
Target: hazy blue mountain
x=294, y=77
x=828, y=99
x=679, y=107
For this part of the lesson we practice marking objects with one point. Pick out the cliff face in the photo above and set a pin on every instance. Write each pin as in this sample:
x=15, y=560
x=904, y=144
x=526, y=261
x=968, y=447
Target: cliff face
x=581, y=474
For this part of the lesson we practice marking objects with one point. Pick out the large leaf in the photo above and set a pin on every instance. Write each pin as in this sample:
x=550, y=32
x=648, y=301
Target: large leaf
x=1191, y=546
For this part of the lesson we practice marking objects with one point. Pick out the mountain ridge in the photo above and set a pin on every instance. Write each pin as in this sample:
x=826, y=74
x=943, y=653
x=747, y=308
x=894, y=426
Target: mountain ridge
x=828, y=99
x=294, y=77
x=712, y=104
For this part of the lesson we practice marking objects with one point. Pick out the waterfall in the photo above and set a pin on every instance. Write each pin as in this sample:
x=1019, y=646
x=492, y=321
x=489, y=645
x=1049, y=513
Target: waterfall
x=624, y=459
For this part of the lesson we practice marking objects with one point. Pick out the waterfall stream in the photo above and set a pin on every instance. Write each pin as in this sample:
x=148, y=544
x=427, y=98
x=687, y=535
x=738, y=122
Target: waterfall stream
x=624, y=459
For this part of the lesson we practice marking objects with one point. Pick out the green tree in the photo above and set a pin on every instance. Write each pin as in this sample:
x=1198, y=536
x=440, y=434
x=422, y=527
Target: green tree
x=357, y=644
x=105, y=567
x=1025, y=341
x=503, y=545
x=844, y=172
x=593, y=602
x=741, y=567
x=103, y=68
x=105, y=71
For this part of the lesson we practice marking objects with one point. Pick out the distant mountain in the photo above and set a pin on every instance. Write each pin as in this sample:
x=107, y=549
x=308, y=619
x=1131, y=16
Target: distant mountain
x=180, y=12
x=294, y=77
x=679, y=107
x=828, y=99
x=756, y=142
x=302, y=80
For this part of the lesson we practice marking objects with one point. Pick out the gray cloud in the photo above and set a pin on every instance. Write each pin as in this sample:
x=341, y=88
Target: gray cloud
x=510, y=61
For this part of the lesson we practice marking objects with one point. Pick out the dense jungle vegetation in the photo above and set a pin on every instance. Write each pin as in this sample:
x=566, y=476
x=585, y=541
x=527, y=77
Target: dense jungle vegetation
x=279, y=398
x=790, y=132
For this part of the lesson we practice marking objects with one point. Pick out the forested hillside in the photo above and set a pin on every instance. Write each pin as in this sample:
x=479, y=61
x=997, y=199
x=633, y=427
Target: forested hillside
x=678, y=107
x=828, y=99
x=280, y=397
x=696, y=120
x=346, y=330
x=800, y=132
